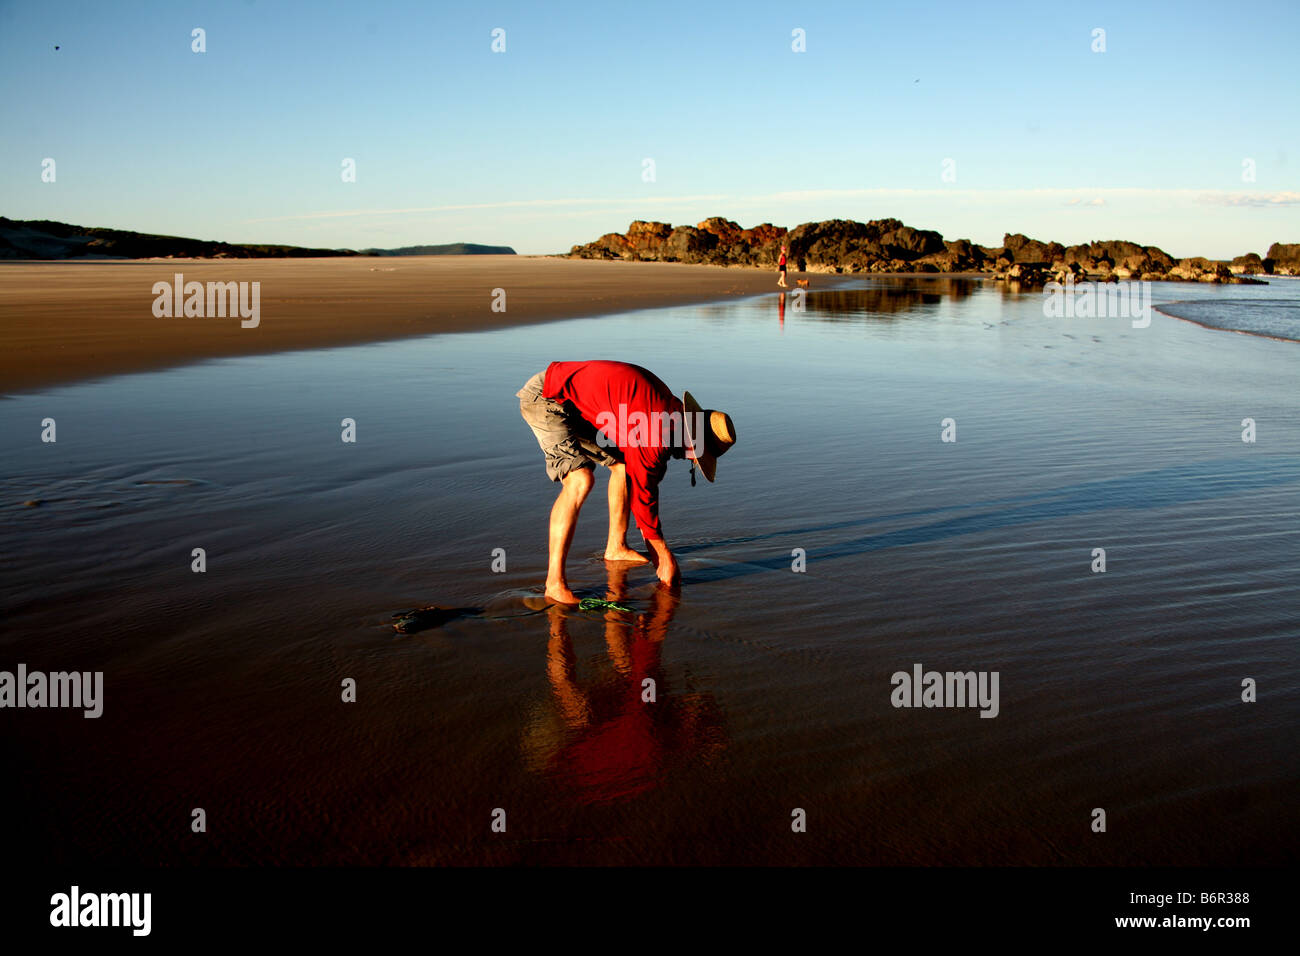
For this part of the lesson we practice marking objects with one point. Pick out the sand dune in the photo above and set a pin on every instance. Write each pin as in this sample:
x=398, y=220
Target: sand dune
x=64, y=321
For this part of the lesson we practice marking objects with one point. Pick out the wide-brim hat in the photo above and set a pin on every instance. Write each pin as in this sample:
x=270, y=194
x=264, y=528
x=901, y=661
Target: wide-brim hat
x=719, y=434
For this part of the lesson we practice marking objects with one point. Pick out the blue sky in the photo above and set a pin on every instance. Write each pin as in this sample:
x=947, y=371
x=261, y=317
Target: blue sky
x=542, y=146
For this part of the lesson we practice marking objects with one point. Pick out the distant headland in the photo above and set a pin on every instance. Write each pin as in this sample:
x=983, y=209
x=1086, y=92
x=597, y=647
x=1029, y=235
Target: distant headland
x=43, y=239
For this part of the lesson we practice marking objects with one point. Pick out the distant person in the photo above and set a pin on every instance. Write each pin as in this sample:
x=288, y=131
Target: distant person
x=780, y=266
x=623, y=417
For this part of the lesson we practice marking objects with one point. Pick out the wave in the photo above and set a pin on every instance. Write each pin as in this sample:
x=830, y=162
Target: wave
x=1269, y=318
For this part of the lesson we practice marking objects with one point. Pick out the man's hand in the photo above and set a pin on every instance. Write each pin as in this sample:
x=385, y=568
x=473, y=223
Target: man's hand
x=666, y=569
x=668, y=572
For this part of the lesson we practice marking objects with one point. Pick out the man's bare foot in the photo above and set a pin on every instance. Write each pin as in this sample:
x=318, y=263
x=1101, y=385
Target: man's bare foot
x=626, y=554
x=560, y=594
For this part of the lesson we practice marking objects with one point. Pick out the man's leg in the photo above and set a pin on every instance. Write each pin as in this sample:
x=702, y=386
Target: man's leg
x=620, y=507
x=555, y=426
x=564, y=518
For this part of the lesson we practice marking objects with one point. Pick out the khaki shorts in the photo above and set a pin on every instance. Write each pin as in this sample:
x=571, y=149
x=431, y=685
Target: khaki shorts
x=567, y=439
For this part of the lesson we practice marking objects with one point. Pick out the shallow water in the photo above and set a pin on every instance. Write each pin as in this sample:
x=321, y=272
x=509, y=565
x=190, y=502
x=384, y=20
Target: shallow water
x=1276, y=318
x=1119, y=690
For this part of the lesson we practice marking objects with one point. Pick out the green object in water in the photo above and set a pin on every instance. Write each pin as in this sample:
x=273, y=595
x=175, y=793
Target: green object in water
x=596, y=604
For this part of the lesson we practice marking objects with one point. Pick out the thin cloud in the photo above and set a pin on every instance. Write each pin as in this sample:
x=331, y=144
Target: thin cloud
x=1068, y=195
x=510, y=204
x=1252, y=200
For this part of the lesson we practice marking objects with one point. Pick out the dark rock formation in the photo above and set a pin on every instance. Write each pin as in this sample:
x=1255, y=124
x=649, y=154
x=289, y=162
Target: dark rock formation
x=689, y=244
x=835, y=246
x=886, y=245
x=1198, y=269
x=1030, y=251
x=1250, y=264
x=841, y=245
x=1285, y=258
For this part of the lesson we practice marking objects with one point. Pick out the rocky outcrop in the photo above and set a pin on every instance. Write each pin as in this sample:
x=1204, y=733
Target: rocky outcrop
x=1028, y=251
x=689, y=244
x=838, y=245
x=759, y=246
x=1283, y=259
x=1110, y=254
x=842, y=245
x=714, y=241
x=1197, y=269
x=1250, y=264
x=887, y=245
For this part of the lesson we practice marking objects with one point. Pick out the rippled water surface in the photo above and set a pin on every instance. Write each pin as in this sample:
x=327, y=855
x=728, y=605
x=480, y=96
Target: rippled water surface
x=1118, y=690
x=1276, y=318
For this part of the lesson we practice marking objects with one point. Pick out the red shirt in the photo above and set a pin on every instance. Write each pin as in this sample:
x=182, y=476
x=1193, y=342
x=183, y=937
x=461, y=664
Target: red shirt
x=616, y=397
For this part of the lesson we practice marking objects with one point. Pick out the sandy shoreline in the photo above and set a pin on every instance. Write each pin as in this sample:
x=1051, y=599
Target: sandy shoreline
x=67, y=321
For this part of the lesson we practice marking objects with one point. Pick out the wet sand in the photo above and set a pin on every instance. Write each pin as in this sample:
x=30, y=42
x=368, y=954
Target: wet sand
x=65, y=321
x=222, y=690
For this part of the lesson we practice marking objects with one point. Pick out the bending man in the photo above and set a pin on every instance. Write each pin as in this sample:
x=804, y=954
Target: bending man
x=623, y=417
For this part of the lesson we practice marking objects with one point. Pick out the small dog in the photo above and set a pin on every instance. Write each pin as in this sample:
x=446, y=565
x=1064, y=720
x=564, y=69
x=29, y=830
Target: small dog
x=801, y=283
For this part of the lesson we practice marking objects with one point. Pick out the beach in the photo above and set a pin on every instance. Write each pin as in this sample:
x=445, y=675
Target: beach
x=443, y=447
x=224, y=689
x=64, y=321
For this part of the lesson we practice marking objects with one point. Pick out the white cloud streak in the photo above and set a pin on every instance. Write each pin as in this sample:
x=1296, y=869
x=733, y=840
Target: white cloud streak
x=1070, y=196
x=1253, y=200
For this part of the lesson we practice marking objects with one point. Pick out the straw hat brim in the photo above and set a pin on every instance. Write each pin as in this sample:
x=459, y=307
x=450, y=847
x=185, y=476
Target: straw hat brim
x=708, y=461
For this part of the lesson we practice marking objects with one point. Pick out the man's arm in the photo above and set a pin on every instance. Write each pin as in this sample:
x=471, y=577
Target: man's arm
x=646, y=468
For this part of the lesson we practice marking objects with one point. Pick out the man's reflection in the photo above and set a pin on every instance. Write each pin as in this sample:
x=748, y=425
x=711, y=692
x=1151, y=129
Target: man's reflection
x=615, y=733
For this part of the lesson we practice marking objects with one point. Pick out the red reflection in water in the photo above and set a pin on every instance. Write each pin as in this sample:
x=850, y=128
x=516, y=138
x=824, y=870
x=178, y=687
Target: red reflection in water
x=600, y=736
